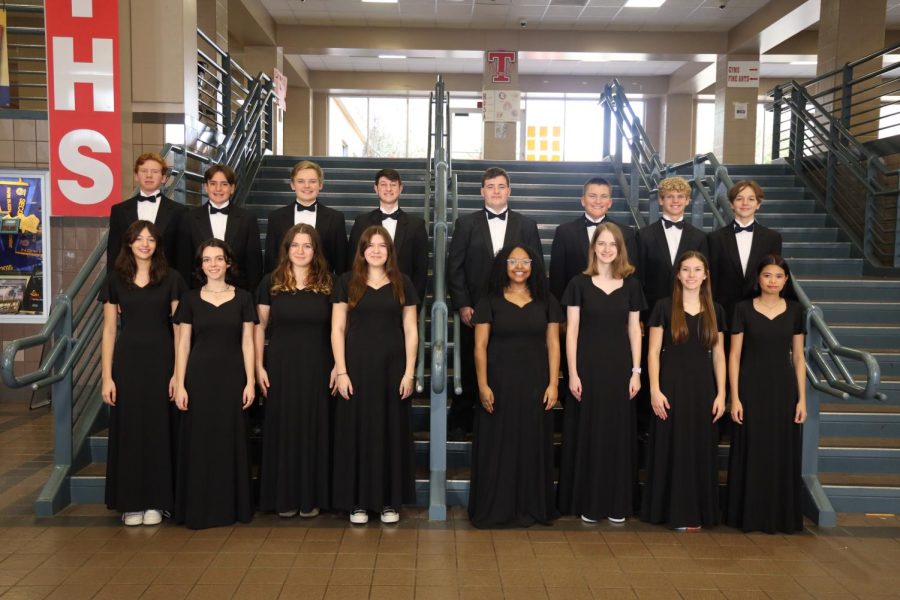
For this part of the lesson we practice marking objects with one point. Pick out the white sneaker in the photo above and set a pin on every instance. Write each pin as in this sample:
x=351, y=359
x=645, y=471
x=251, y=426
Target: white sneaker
x=309, y=515
x=152, y=517
x=133, y=518
x=288, y=514
x=587, y=519
x=389, y=515
x=616, y=520
x=359, y=516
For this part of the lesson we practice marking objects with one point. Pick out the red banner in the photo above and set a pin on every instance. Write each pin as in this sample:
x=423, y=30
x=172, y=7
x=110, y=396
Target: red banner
x=83, y=106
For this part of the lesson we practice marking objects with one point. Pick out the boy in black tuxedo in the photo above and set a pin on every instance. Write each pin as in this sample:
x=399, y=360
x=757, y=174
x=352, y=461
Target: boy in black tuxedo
x=661, y=243
x=220, y=219
x=148, y=204
x=477, y=237
x=407, y=231
x=569, y=255
x=307, y=180
x=736, y=249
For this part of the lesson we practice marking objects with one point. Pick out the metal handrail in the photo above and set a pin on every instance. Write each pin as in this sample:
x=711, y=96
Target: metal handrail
x=439, y=169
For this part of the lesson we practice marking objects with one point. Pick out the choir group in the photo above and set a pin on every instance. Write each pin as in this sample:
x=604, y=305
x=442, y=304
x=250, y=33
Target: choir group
x=656, y=335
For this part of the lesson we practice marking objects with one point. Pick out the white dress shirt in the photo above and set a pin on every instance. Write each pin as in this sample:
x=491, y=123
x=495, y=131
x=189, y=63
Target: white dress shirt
x=744, y=243
x=148, y=209
x=391, y=224
x=306, y=216
x=591, y=230
x=497, y=228
x=673, y=238
x=219, y=222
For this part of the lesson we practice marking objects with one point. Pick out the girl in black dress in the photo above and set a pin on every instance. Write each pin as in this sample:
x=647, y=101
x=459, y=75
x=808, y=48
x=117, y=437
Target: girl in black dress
x=137, y=376
x=686, y=362
x=517, y=365
x=767, y=371
x=293, y=301
x=214, y=385
x=374, y=338
x=603, y=347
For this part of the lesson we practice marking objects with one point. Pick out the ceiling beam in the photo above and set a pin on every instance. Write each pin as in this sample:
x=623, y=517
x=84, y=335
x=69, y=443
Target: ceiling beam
x=299, y=39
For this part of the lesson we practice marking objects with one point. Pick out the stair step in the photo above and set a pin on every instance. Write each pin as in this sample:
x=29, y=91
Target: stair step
x=875, y=428
x=860, y=312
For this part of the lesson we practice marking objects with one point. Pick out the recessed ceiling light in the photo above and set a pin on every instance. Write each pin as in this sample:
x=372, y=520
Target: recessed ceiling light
x=804, y=62
x=391, y=56
x=644, y=3
x=382, y=1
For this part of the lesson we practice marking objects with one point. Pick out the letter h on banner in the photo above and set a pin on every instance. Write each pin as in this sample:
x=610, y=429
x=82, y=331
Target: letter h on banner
x=84, y=119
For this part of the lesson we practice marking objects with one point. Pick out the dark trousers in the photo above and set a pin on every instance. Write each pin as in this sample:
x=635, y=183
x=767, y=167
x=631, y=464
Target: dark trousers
x=462, y=408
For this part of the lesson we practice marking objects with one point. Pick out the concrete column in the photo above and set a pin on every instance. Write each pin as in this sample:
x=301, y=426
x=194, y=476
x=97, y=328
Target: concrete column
x=320, y=124
x=212, y=19
x=298, y=122
x=500, y=73
x=653, y=121
x=163, y=72
x=848, y=30
x=735, y=138
x=678, y=130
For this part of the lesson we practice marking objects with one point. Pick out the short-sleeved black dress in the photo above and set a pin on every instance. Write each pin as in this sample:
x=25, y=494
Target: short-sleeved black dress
x=373, y=447
x=296, y=450
x=764, y=482
x=682, y=473
x=139, y=462
x=599, y=460
x=213, y=474
x=512, y=453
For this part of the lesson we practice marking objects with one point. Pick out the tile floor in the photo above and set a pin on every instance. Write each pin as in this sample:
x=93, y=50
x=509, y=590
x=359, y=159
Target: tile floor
x=85, y=553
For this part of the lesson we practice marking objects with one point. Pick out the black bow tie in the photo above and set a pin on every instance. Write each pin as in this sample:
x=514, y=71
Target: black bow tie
x=501, y=216
x=394, y=215
x=224, y=210
x=310, y=208
x=738, y=228
x=153, y=198
x=589, y=223
x=676, y=224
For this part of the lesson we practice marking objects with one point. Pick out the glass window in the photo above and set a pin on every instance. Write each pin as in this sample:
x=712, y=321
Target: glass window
x=705, y=127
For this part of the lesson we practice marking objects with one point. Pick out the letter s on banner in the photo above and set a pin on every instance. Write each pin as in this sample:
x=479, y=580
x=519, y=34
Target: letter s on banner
x=83, y=113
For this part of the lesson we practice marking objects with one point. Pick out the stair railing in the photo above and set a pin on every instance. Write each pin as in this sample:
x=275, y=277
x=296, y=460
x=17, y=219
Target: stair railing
x=74, y=325
x=27, y=56
x=440, y=170
x=825, y=370
x=820, y=134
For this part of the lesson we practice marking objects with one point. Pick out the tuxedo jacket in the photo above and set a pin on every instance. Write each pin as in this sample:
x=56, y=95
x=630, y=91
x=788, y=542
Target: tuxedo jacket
x=330, y=225
x=472, y=253
x=570, y=252
x=729, y=283
x=241, y=235
x=168, y=219
x=657, y=273
x=410, y=245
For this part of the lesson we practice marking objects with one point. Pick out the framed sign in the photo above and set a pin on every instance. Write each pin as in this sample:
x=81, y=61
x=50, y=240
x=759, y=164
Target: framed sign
x=24, y=246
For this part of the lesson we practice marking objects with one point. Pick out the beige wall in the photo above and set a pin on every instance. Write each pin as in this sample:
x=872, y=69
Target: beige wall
x=298, y=122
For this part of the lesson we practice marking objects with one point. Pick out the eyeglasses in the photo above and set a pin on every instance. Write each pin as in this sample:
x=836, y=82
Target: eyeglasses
x=514, y=262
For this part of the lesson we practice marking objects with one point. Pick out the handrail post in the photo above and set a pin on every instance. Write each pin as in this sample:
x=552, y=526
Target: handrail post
x=797, y=133
x=699, y=172
x=846, y=94
x=777, y=97
x=226, y=94
x=868, y=238
x=816, y=503
x=897, y=230
x=831, y=171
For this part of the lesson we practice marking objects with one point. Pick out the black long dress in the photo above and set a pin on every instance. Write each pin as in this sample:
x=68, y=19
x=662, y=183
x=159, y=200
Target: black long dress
x=682, y=473
x=373, y=447
x=512, y=454
x=297, y=435
x=139, y=461
x=599, y=460
x=213, y=479
x=764, y=483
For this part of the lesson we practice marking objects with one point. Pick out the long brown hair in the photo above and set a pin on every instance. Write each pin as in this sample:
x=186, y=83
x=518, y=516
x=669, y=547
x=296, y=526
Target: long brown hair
x=709, y=330
x=621, y=266
x=126, y=264
x=360, y=272
x=318, y=279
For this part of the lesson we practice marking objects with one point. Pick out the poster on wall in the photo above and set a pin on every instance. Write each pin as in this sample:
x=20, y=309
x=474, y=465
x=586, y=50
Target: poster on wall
x=24, y=248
